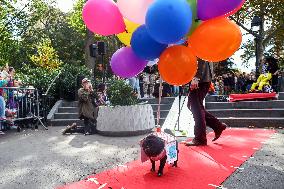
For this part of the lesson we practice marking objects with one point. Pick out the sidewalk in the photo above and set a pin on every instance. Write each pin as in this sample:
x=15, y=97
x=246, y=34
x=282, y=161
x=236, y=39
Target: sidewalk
x=265, y=170
x=45, y=159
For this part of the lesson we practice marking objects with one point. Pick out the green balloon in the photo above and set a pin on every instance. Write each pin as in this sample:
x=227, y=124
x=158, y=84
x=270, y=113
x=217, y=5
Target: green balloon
x=195, y=21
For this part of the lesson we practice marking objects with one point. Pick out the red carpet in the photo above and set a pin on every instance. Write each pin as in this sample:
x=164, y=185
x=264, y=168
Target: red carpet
x=199, y=167
x=251, y=96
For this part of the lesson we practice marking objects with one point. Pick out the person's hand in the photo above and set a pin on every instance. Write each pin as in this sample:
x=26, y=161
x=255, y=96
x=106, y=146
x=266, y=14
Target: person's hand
x=194, y=83
x=91, y=88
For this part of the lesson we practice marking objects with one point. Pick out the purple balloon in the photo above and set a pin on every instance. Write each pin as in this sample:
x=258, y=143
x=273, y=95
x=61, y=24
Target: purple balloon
x=126, y=64
x=207, y=9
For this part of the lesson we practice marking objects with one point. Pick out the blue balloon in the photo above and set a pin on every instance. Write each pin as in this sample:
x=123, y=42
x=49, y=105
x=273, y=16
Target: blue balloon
x=168, y=21
x=145, y=46
x=180, y=42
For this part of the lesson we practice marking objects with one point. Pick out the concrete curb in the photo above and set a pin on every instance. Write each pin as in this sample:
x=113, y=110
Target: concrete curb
x=54, y=110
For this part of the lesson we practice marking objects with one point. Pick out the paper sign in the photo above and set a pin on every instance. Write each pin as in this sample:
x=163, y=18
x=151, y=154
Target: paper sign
x=171, y=149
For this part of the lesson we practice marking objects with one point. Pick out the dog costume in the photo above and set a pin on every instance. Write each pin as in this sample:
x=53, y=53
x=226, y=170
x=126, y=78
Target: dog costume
x=159, y=146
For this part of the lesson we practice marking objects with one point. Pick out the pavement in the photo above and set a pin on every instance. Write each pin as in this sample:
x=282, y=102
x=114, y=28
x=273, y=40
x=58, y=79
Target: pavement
x=46, y=159
x=265, y=170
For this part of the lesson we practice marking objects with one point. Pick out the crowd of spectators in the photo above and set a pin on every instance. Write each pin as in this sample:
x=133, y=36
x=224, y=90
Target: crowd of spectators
x=7, y=105
x=233, y=83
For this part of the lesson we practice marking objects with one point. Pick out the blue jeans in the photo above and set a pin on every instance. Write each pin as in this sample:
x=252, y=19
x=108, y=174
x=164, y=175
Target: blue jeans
x=175, y=90
x=2, y=107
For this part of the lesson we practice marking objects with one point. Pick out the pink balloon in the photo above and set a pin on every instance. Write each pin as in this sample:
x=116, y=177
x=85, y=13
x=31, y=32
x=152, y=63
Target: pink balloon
x=134, y=10
x=103, y=17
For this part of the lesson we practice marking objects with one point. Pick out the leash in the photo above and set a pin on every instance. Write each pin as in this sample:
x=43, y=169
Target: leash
x=159, y=105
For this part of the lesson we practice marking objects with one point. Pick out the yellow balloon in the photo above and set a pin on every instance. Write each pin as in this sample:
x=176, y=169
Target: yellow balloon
x=125, y=37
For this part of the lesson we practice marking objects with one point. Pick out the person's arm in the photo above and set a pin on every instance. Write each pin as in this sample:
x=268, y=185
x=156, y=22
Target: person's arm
x=83, y=95
x=101, y=100
x=195, y=81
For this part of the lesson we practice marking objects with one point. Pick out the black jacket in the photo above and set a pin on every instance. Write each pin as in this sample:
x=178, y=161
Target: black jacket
x=204, y=71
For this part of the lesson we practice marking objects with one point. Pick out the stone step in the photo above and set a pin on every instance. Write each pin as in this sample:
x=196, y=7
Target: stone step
x=66, y=116
x=70, y=104
x=163, y=113
x=247, y=112
x=281, y=96
x=161, y=121
x=259, y=122
x=166, y=100
x=163, y=107
x=216, y=98
x=245, y=105
x=65, y=122
x=67, y=110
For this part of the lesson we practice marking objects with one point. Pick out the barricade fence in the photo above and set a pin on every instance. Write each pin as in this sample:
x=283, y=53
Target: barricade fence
x=23, y=107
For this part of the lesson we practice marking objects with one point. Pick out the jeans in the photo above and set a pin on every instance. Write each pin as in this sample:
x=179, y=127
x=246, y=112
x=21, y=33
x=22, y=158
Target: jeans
x=2, y=107
x=175, y=90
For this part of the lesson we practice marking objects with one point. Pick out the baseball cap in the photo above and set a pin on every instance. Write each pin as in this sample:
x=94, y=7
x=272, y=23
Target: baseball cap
x=85, y=80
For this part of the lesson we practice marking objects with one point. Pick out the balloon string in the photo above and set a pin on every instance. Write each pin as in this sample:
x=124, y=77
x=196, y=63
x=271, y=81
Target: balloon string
x=160, y=99
x=126, y=31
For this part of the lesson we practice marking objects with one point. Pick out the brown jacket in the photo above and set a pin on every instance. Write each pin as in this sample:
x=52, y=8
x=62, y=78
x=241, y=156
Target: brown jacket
x=86, y=107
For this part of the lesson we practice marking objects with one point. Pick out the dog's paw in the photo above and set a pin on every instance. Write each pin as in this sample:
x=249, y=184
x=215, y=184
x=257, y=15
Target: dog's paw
x=160, y=174
x=175, y=164
x=152, y=170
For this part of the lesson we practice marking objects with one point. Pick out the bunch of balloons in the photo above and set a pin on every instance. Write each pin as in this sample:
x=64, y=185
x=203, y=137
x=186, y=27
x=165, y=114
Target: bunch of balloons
x=157, y=29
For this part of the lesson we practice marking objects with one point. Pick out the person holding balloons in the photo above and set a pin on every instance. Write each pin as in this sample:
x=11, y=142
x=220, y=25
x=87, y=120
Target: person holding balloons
x=199, y=88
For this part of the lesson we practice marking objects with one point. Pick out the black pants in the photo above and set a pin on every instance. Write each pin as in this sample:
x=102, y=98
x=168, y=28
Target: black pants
x=200, y=115
x=90, y=125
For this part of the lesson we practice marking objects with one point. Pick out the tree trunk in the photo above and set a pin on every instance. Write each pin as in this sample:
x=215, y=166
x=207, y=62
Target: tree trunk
x=260, y=47
x=89, y=61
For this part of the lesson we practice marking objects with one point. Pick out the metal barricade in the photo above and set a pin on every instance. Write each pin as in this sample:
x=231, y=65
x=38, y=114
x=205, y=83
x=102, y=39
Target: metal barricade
x=23, y=105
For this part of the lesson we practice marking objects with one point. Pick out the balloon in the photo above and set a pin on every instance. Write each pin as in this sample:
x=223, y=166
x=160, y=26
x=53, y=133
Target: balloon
x=126, y=64
x=208, y=9
x=103, y=17
x=168, y=21
x=195, y=21
x=177, y=65
x=134, y=10
x=216, y=40
x=145, y=46
x=125, y=37
x=152, y=62
x=180, y=42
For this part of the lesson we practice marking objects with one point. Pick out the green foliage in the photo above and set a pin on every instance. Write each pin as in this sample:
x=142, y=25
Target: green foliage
x=42, y=78
x=121, y=94
x=46, y=56
x=224, y=67
x=272, y=13
x=68, y=79
x=75, y=18
x=38, y=77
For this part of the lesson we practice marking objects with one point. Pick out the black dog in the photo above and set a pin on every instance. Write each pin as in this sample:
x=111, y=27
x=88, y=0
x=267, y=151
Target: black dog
x=154, y=148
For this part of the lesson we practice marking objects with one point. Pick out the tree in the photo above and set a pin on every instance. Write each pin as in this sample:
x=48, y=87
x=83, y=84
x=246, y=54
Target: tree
x=77, y=23
x=271, y=31
x=224, y=67
x=112, y=43
x=46, y=56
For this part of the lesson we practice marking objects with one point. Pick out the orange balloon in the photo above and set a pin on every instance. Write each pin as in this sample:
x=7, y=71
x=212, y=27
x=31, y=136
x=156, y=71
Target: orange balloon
x=216, y=40
x=177, y=65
